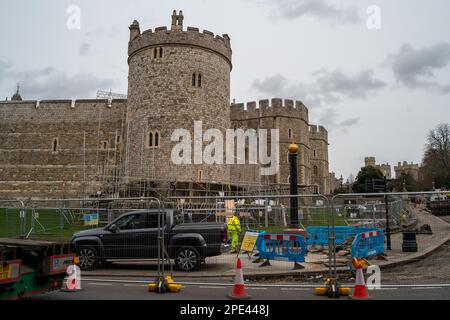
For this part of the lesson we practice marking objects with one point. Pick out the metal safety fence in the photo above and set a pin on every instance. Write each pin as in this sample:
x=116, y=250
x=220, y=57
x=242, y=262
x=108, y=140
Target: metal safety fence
x=193, y=236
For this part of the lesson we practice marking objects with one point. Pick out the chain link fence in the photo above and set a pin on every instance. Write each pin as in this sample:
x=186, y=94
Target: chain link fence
x=190, y=236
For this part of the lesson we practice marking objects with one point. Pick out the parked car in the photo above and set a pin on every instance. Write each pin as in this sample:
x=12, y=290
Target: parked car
x=134, y=235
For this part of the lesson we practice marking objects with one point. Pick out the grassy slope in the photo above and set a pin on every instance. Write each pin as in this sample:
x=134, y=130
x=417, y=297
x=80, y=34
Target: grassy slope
x=54, y=228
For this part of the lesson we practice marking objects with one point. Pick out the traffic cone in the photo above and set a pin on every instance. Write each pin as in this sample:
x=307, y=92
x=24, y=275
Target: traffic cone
x=360, y=291
x=72, y=281
x=239, y=291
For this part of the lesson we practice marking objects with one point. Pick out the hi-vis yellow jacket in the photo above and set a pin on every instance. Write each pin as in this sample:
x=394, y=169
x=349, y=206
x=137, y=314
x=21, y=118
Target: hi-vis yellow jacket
x=234, y=224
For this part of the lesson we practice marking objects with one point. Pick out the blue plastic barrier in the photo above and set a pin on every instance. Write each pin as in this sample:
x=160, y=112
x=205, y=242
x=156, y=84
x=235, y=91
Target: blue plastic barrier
x=286, y=247
x=368, y=244
x=319, y=235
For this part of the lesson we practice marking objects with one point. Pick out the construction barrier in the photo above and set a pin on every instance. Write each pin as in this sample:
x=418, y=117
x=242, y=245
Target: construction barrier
x=281, y=247
x=440, y=208
x=320, y=235
x=367, y=244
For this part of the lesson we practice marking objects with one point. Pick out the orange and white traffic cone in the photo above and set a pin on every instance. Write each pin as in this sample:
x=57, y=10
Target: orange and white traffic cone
x=239, y=291
x=360, y=291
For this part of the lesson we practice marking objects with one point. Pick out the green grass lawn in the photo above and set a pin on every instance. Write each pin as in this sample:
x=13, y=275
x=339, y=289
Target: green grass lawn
x=317, y=217
x=56, y=229
x=52, y=226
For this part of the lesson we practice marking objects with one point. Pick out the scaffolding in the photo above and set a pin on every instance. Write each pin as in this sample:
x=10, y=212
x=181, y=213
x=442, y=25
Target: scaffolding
x=110, y=175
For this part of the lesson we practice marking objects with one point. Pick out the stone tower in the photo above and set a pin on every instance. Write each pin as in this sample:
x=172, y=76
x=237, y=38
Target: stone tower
x=175, y=77
x=318, y=137
x=369, y=161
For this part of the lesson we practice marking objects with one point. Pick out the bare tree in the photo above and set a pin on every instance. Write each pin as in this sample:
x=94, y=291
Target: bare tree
x=439, y=144
x=435, y=169
x=351, y=178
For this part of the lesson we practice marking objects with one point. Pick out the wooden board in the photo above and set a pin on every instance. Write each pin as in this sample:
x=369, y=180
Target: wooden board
x=25, y=242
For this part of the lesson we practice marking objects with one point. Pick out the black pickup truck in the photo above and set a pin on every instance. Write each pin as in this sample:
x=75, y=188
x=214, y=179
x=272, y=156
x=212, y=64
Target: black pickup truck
x=133, y=235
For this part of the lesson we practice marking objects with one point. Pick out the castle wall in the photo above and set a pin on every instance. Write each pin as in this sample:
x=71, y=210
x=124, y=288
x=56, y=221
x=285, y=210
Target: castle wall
x=29, y=166
x=411, y=168
x=64, y=148
x=281, y=115
x=318, y=137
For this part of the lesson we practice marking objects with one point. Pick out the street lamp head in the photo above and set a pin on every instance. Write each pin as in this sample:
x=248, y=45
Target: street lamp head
x=293, y=148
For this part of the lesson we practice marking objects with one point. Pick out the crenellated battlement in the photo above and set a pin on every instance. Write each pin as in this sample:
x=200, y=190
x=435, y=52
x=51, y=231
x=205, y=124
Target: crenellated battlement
x=405, y=165
x=177, y=36
x=65, y=103
x=269, y=108
x=318, y=132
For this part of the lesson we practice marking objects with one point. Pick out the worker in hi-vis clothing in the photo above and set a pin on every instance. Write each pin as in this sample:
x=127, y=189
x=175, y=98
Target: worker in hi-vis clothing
x=234, y=229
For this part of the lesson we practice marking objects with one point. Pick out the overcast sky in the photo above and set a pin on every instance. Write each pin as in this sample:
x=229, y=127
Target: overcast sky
x=377, y=91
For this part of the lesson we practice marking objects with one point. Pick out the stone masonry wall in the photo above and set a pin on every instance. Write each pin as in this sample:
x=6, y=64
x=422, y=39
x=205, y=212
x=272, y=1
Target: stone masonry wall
x=29, y=165
x=282, y=116
x=161, y=98
x=318, y=136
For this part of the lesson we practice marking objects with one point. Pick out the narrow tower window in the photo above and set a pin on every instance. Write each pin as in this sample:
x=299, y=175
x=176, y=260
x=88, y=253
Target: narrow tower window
x=155, y=53
x=199, y=80
x=160, y=52
x=289, y=133
x=200, y=175
x=315, y=170
x=193, y=79
x=150, y=139
x=156, y=139
x=55, y=145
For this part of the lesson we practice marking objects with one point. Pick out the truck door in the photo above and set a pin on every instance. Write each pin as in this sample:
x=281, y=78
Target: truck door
x=126, y=242
x=148, y=238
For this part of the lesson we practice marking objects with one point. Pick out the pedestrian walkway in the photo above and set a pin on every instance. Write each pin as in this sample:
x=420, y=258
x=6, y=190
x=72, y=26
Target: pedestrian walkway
x=224, y=265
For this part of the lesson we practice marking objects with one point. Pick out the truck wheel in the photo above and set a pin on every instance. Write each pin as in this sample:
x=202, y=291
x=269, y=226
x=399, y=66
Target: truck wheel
x=187, y=259
x=88, y=257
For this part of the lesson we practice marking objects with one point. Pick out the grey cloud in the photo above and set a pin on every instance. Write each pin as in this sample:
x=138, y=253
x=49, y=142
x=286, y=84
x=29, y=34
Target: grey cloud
x=273, y=84
x=414, y=68
x=278, y=85
x=445, y=89
x=4, y=67
x=84, y=49
x=329, y=119
x=323, y=9
x=349, y=122
x=94, y=32
x=49, y=83
x=328, y=87
x=352, y=86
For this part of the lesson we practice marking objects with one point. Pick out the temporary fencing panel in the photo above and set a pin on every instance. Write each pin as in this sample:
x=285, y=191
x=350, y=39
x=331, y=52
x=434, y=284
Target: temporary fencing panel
x=320, y=235
x=368, y=244
x=281, y=247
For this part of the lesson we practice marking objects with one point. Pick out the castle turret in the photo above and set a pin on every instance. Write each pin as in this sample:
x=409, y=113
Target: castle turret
x=175, y=77
x=16, y=96
x=134, y=30
x=369, y=161
x=177, y=21
x=318, y=137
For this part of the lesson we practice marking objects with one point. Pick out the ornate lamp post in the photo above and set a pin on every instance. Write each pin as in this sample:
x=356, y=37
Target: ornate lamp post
x=293, y=149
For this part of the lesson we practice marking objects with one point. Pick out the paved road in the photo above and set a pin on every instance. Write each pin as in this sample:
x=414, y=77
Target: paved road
x=138, y=291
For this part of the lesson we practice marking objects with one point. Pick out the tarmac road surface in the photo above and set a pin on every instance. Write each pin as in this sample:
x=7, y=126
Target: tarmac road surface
x=94, y=290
